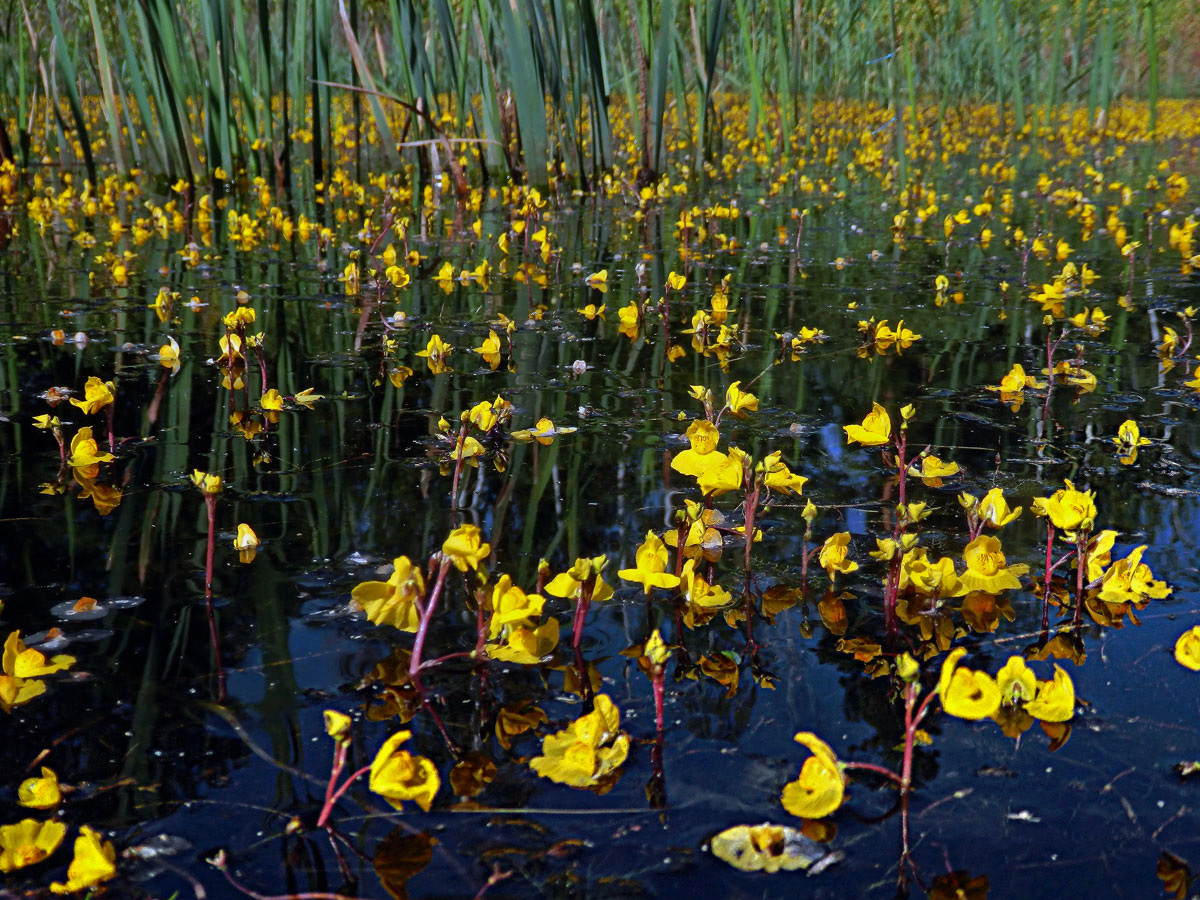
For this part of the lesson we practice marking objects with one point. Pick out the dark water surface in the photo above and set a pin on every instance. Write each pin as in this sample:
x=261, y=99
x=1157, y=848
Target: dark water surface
x=338, y=491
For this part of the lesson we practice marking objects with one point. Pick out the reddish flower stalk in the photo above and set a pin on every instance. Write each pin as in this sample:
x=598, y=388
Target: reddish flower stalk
x=210, y=502
x=459, y=444
x=581, y=610
x=111, y=413
x=1046, y=580
x=332, y=795
x=414, y=664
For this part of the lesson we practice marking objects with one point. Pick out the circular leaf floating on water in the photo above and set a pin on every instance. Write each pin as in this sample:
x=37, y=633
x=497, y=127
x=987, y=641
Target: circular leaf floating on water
x=766, y=848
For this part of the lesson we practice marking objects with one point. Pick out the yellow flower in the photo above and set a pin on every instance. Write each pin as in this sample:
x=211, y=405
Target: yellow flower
x=40, y=793
x=569, y=584
x=511, y=605
x=397, y=276
x=20, y=661
x=1017, y=683
x=392, y=602
x=209, y=483
x=1129, y=437
x=703, y=436
x=436, y=353
x=592, y=311
x=544, y=432
x=875, y=430
x=85, y=452
x=700, y=593
x=1130, y=580
x=986, y=569
x=832, y=557
x=764, y=848
x=246, y=543
x=397, y=775
x=994, y=510
x=820, y=788
x=1068, y=509
x=97, y=394
x=598, y=280
x=919, y=574
x=675, y=282
x=27, y=842
x=168, y=355
x=1055, y=700
x=465, y=547
x=307, y=397
x=16, y=691
x=490, y=350
x=526, y=646
x=965, y=693
x=933, y=470
x=1187, y=649
x=95, y=861
x=241, y=317
x=337, y=725
x=651, y=566
x=272, y=401
x=587, y=751
x=778, y=477
x=656, y=649
x=738, y=401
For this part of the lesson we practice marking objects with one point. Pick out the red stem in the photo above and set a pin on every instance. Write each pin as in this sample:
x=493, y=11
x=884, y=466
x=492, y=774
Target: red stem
x=1046, y=580
x=332, y=799
x=414, y=664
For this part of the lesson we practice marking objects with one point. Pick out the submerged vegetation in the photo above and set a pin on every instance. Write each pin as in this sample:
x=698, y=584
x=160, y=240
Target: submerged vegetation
x=421, y=421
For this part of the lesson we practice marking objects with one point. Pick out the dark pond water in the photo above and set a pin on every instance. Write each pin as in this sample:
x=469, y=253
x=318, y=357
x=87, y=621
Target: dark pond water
x=335, y=492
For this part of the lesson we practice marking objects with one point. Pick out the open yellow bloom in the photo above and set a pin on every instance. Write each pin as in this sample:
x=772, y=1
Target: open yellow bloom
x=591, y=312
x=246, y=543
x=168, y=355
x=965, y=693
x=490, y=350
x=778, y=477
x=95, y=861
x=397, y=775
x=1068, y=509
x=465, y=547
x=820, y=788
x=510, y=605
x=994, y=510
x=1130, y=580
x=739, y=401
x=40, y=793
x=598, y=280
x=436, y=353
x=524, y=645
x=765, y=848
x=703, y=436
x=918, y=573
x=933, y=470
x=85, y=452
x=587, y=751
x=833, y=555
x=97, y=394
x=1187, y=649
x=27, y=842
x=392, y=602
x=875, y=430
x=569, y=584
x=544, y=432
x=986, y=569
x=208, y=482
x=1055, y=699
x=650, y=571
x=20, y=661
